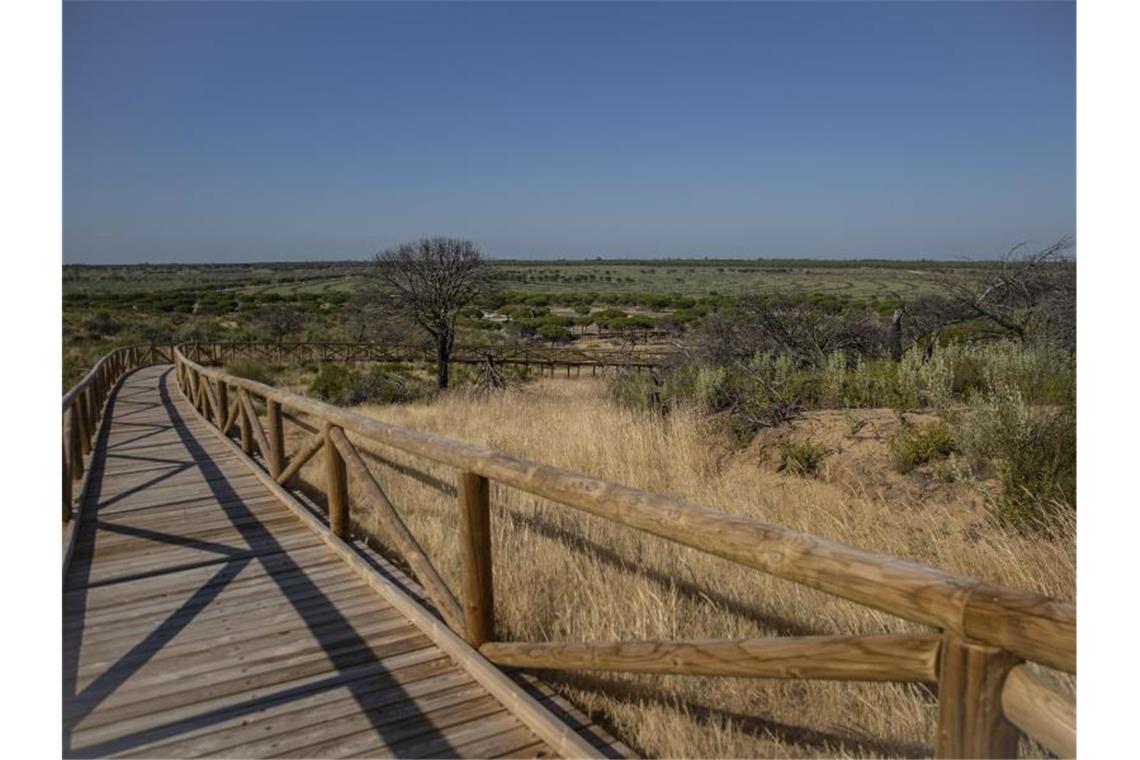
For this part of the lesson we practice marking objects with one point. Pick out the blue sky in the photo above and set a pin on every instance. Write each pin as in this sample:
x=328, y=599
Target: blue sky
x=284, y=131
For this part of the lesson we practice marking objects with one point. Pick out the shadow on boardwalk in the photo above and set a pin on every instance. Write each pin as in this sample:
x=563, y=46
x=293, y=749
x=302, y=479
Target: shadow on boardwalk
x=356, y=665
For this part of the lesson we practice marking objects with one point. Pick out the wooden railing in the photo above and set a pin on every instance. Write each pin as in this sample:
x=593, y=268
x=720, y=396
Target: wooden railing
x=543, y=359
x=83, y=412
x=976, y=656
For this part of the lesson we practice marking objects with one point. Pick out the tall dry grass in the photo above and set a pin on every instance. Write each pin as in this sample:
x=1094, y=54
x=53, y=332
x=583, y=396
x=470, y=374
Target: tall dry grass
x=562, y=575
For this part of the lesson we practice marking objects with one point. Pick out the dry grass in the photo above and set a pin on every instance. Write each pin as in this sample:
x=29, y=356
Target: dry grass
x=562, y=575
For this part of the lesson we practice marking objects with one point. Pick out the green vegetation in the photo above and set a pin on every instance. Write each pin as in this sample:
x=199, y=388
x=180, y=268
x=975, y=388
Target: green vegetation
x=801, y=457
x=252, y=369
x=1008, y=409
x=917, y=445
x=1031, y=448
x=108, y=306
x=347, y=386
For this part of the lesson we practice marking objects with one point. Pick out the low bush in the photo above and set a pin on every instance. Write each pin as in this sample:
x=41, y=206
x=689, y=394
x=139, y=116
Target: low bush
x=634, y=390
x=801, y=457
x=917, y=445
x=252, y=369
x=1031, y=449
x=347, y=386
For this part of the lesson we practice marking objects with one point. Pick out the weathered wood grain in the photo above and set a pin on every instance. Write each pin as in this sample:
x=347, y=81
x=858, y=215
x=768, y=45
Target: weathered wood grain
x=396, y=532
x=301, y=458
x=475, y=551
x=1041, y=710
x=970, y=718
x=900, y=657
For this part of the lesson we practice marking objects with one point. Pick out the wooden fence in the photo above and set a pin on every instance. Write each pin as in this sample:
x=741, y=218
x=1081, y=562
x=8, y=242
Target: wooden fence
x=545, y=360
x=83, y=407
x=984, y=634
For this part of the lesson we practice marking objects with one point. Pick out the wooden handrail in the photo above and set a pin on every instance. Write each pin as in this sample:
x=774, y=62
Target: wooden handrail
x=83, y=407
x=986, y=629
x=1041, y=710
x=896, y=657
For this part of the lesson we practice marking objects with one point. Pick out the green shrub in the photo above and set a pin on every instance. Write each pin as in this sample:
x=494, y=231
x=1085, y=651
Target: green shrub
x=1032, y=450
x=554, y=333
x=834, y=377
x=348, y=386
x=634, y=391
x=252, y=369
x=801, y=457
x=917, y=445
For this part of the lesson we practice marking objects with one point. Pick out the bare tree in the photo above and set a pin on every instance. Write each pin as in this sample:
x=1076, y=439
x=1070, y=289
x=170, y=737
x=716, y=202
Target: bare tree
x=777, y=325
x=280, y=321
x=367, y=319
x=430, y=281
x=1027, y=295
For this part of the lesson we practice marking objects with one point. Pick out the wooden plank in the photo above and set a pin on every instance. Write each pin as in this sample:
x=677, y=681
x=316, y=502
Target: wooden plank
x=129, y=570
x=499, y=744
x=139, y=503
x=159, y=698
x=165, y=600
x=455, y=732
x=1041, y=710
x=277, y=565
x=897, y=657
x=310, y=596
x=297, y=683
x=299, y=645
x=231, y=544
x=223, y=535
x=211, y=652
x=234, y=624
x=276, y=726
x=404, y=739
x=364, y=719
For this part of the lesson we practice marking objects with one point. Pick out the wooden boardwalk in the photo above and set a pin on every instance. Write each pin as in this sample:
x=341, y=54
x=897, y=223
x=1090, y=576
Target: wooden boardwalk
x=201, y=617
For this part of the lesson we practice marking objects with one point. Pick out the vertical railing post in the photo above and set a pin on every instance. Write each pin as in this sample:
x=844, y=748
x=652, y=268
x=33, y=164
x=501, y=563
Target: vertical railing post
x=336, y=487
x=92, y=413
x=80, y=407
x=475, y=552
x=67, y=496
x=275, y=457
x=970, y=719
x=223, y=402
x=246, y=427
x=74, y=442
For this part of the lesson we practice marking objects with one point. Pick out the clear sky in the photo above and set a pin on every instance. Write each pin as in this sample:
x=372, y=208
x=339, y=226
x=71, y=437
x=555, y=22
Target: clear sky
x=282, y=131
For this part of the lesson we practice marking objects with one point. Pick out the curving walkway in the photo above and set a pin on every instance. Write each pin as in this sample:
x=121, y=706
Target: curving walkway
x=201, y=617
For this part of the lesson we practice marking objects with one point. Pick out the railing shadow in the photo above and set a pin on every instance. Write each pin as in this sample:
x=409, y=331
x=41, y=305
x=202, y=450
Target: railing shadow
x=690, y=590
x=828, y=743
x=358, y=668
